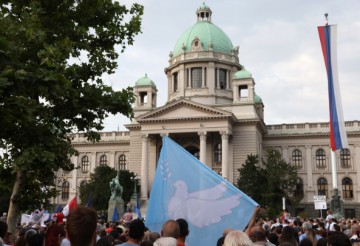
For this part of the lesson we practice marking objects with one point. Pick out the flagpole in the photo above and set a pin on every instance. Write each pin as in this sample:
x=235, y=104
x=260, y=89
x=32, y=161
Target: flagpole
x=338, y=139
x=333, y=170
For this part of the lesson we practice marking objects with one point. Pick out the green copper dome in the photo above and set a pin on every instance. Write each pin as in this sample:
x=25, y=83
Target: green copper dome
x=145, y=81
x=242, y=74
x=207, y=33
x=257, y=99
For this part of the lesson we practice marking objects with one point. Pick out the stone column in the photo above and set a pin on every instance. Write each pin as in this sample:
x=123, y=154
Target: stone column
x=92, y=162
x=202, y=147
x=203, y=78
x=189, y=78
x=144, y=167
x=285, y=154
x=309, y=171
x=227, y=79
x=235, y=93
x=72, y=192
x=218, y=78
x=356, y=166
x=112, y=162
x=224, y=154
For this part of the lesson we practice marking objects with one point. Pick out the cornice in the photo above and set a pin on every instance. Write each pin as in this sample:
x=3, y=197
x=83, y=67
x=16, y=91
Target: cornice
x=101, y=142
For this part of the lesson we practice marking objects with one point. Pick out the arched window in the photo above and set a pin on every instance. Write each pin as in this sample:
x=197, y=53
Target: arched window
x=103, y=160
x=85, y=164
x=345, y=158
x=299, y=190
x=217, y=153
x=122, y=162
x=194, y=151
x=347, y=188
x=83, y=183
x=297, y=158
x=322, y=187
x=65, y=188
x=320, y=158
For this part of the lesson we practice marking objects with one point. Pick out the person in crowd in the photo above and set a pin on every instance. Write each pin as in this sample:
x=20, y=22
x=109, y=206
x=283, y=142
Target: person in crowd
x=184, y=231
x=36, y=239
x=322, y=242
x=105, y=241
x=288, y=235
x=170, y=229
x=3, y=231
x=336, y=238
x=309, y=233
x=306, y=242
x=146, y=243
x=81, y=226
x=53, y=233
x=151, y=236
x=136, y=233
x=166, y=241
x=237, y=238
x=258, y=236
x=220, y=241
x=3, y=217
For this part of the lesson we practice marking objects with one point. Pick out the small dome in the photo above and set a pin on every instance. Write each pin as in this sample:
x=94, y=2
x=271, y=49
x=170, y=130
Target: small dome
x=242, y=74
x=145, y=81
x=257, y=99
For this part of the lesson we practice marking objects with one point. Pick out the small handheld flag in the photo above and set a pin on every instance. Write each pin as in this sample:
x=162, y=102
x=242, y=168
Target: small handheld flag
x=115, y=216
x=69, y=207
x=186, y=188
x=137, y=207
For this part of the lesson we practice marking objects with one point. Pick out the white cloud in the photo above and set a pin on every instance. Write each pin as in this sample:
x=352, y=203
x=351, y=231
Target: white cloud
x=279, y=45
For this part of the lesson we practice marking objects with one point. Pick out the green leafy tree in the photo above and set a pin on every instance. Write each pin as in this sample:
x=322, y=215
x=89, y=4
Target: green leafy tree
x=52, y=57
x=98, y=188
x=251, y=174
x=267, y=183
x=281, y=180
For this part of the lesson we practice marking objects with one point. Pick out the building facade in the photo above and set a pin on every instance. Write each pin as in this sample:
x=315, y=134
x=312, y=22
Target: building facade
x=213, y=111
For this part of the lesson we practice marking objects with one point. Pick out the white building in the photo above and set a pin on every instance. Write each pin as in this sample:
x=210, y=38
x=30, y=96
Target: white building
x=213, y=111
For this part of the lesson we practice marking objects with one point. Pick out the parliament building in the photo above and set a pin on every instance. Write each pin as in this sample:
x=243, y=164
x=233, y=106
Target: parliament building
x=214, y=112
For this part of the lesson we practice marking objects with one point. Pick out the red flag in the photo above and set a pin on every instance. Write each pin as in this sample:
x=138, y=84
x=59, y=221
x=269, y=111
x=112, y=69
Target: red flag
x=70, y=206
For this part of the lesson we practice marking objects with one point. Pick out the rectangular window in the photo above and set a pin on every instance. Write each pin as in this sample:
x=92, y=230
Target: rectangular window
x=196, y=77
x=222, y=79
x=175, y=82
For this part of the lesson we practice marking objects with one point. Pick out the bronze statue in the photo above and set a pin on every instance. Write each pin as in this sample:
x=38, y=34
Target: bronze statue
x=115, y=187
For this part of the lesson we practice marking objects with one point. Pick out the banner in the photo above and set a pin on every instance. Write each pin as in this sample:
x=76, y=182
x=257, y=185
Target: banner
x=186, y=188
x=338, y=138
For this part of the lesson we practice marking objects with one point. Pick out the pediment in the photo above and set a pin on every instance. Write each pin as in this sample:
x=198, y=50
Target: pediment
x=184, y=109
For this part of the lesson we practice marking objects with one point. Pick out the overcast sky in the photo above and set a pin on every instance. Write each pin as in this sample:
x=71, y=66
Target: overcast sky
x=279, y=45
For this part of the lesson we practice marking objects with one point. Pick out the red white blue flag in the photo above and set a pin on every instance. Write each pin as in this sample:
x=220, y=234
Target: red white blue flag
x=338, y=138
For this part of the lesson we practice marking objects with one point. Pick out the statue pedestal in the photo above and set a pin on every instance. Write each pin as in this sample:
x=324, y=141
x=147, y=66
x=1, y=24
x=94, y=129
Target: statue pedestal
x=119, y=204
x=337, y=204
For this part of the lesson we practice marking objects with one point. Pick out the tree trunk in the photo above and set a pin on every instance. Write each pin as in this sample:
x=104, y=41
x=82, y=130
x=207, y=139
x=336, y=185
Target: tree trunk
x=14, y=211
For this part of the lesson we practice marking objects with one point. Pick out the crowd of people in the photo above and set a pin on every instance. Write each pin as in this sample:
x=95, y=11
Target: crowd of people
x=83, y=227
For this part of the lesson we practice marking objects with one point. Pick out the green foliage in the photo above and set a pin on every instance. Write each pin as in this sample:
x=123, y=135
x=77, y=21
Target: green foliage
x=52, y=57
x=99, y=187
x=268, y=182
x=127, y=181
x=250, y=175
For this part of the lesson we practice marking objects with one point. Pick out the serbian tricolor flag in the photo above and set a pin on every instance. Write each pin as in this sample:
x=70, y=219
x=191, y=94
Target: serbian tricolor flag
x=69, y=207
x=338, y=138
